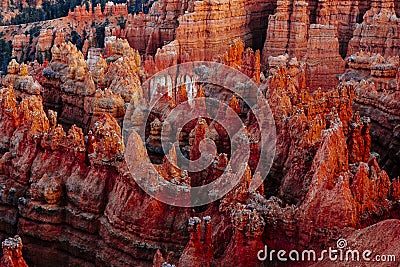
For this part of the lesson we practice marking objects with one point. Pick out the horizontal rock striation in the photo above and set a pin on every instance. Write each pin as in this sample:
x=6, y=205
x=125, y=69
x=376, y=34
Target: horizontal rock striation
x=378, y=32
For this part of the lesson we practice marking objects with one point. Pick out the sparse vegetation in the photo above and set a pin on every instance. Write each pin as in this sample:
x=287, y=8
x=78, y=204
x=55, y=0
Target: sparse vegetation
x=100, y=34
x=136, y=6
x=5, y=54
x=61, y=8
x=121, y=22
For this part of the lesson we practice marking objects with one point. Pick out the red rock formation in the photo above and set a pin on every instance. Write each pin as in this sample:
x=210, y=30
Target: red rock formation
x=19, y=44
x=68, y=81
x=297, y=46
x=246, y=240
x=278, y=31
x=343, y=15
x=8, y=117
x=122, y=76
x=115, y=9
x=359, y=142
x=395, y=190
x=247, y=223
x=12, y=253
x=247, y=61
x=202, y=36
x=82, y=13
x=287, y=30
x=130, y=210
x=60, y=38
x=379, y=31
x=94, y=54
x=68, y=199
x=116, y=210
x=138, y=30
x=198, y=251
x=350, y=191
x=327, y=181
x=104, y=101
x=374, y=69
x=322, y=59
x=283, y=36
x=165, y=57
x=70, y=87
x=376, y=91
x=305, y=117
x=44, y=44
x=116, y=48
x=383, y=109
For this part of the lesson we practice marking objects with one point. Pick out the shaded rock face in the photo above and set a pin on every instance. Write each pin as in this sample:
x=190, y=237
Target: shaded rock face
x=289, y=31
x=382, y=108
x=283, y=36
x=68, y=83
x=171, y=20
x=198, y=26
x=376, y=91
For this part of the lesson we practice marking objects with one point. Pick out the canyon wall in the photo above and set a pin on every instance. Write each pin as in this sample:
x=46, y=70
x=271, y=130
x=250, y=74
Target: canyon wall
x=87, y=210
x=379, y=31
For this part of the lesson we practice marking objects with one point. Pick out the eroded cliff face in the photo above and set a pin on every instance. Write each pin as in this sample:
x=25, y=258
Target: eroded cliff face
x=197, y=26
x=382, y=107
x=322, y=59
x=376, y=91
x=330, y=178
x=378, y=32
x=203, y=30
x=80, y=204
x=320, y=32
x=81, y=97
